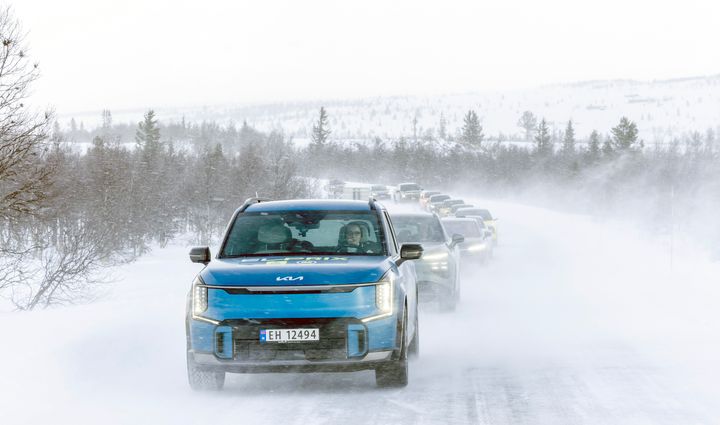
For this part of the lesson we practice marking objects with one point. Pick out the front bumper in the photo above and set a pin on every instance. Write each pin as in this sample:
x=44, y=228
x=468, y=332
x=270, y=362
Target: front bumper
x=370, y=361
x=345, y=344
x=408, y=197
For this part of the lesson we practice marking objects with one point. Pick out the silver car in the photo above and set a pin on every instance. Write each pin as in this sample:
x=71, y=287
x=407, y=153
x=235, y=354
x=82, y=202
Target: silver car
x=477, y=244
x=438, y=271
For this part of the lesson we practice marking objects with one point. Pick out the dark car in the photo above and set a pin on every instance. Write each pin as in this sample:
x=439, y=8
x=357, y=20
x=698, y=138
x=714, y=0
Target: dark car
x=477, y=244
x=438, y=271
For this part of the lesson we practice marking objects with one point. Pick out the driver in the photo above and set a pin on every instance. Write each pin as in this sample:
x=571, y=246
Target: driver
x=353, y=241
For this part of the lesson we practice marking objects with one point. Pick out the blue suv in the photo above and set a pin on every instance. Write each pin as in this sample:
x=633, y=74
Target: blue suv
x=303, y=286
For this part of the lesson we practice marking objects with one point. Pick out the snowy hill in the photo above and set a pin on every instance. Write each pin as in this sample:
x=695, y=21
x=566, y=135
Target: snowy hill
x=662, y=110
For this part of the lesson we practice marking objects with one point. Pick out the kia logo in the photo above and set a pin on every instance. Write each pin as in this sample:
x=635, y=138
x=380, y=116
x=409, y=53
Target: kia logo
x=288, y=278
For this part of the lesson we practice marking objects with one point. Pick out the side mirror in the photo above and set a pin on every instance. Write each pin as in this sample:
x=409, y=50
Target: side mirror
x=488, y=233
x=457, y=239
x=409, y=251
x=200, y=254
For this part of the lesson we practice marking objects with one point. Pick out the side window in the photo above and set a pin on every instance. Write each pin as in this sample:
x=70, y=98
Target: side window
x=391, y=231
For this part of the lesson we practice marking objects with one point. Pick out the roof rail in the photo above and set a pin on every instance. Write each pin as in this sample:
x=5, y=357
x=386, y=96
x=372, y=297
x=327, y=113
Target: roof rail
x=251, y=201
x=371, y=202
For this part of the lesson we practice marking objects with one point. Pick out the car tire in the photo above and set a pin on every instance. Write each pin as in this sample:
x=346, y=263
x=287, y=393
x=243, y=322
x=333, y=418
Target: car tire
x=201, y=379
x=395, y=373
x=414, y=348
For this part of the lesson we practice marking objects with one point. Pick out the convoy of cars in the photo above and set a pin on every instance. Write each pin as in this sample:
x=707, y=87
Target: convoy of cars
x=329, y=285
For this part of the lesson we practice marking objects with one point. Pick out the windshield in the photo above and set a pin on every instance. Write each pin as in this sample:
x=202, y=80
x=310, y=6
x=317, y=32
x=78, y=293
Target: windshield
x=438, y=198
x=418, y=229
x=409, y=186
x=467, y=212
x=378, y=188
x=305, y=232
x=469, y=229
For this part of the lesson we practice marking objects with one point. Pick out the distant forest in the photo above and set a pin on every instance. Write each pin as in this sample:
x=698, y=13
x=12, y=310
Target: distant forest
x=135, y=186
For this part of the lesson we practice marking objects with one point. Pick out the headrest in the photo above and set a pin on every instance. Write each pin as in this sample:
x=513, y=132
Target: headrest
x=274, y=233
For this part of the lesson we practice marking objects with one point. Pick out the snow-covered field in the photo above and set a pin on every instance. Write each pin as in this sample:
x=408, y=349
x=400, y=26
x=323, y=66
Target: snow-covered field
x=576, y=321
x=663, y=110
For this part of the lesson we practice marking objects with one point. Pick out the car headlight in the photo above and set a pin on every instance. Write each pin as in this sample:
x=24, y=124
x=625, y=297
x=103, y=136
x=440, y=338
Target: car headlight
x=436, y=256
x=477, y=247
x=384, y=295
x=200, y=296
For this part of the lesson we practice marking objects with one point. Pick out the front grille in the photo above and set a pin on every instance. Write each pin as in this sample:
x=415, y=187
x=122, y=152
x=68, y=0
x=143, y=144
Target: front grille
x=331, y=346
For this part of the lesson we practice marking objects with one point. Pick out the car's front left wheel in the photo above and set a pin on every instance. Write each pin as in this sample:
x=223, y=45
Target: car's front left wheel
x=202, y=379
x=395, y=374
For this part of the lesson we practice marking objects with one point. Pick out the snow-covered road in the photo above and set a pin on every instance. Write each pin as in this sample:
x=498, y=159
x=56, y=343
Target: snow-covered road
x=574, y=322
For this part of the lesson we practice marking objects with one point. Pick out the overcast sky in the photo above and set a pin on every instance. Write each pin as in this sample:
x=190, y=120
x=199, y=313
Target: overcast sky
x=118, y=54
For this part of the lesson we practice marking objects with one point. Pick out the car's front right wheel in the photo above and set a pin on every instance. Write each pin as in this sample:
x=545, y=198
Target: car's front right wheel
x=201, y=379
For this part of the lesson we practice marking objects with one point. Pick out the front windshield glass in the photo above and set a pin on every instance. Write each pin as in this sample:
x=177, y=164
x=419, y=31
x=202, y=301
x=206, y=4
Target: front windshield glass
x=409, y=186
x=438, y=198
x=305, y=233
x=417, y=229
x=469, y=229
x=485, y=214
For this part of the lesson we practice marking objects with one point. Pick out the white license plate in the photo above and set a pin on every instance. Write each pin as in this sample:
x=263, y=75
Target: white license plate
x=289, y=335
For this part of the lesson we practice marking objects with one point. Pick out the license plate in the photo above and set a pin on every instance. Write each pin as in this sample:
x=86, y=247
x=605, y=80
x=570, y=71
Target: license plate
x=289, y=335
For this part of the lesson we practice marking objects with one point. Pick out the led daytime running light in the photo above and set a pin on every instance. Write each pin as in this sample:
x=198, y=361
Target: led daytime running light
x=200, y=296
x=384, y=295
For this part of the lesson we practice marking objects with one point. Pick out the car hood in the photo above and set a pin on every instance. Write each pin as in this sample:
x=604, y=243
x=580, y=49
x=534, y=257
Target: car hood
x=432, y=249
x=295, y=270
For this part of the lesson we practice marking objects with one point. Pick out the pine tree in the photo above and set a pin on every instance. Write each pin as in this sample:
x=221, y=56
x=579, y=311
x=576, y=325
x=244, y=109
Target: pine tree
x=472, y=135
x=321, y=130
x=568, y=146
x=147, y=135
x=624, y=135
x=543, y=142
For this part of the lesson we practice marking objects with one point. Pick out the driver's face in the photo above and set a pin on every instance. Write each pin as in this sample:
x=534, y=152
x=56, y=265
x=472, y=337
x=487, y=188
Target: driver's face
x=353, y=235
